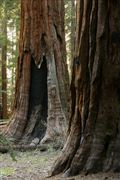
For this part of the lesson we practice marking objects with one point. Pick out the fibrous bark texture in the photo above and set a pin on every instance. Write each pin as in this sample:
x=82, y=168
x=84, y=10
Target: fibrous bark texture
x=42, y=78
x=93, y=142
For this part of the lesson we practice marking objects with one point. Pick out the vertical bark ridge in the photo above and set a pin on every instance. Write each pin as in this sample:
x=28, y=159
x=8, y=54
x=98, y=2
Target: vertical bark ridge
x=57, y=72
x=86, y=147
x=69, y=149
x=84, y=83
x=79, y=83
x=18, y=120
x=76, y=79
x=92, y=35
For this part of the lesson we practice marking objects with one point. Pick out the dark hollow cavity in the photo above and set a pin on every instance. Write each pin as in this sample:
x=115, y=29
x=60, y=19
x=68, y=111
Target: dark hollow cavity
x=38, y=106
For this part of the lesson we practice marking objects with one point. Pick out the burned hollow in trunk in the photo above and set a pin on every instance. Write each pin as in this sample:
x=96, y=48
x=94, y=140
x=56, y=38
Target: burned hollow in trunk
x=38, y=102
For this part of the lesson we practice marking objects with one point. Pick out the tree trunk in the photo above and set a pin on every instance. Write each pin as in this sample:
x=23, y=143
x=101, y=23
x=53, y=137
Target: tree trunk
x=0, y=82
x=42, y=79
x=93, y=142
x=4, y=64
x=73, y=29
x=70, y=32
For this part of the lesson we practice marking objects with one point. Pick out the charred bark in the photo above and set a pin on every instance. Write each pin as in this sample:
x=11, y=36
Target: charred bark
x=95, y=83
x=42, y=79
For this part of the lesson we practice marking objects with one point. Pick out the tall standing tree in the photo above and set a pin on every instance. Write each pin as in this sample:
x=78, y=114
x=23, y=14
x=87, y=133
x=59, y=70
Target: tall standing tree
x=4, y=62
x=42, y=79
x=93, y=142
x=13, y=22
x=9, y=18
x=70, y=32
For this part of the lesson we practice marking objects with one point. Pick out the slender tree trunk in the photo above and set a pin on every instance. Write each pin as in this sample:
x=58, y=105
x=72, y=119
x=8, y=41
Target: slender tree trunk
x=70, y=32
x=4, y=69
x=0, y=82
x=93, y=142
x=73, y=29
x=13, y=71
x=4, y=84
x=42, y=79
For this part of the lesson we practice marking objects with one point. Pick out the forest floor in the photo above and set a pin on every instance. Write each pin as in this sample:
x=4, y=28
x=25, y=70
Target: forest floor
x=36, y=165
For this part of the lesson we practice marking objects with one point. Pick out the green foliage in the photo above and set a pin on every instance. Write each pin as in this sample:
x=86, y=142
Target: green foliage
x=5, y=142
x=2, y=40
x=6, y=171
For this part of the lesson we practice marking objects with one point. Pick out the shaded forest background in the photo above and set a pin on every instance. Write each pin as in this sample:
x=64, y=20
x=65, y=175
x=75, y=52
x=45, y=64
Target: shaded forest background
x=9, y=34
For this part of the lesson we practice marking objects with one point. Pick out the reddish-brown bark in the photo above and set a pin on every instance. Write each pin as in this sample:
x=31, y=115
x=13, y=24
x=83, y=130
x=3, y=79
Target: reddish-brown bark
x=42, y=78
x=4, y=68
x=95, y=113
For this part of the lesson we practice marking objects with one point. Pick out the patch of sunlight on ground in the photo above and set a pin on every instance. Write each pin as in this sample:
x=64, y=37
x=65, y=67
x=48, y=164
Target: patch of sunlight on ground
x=6, y=171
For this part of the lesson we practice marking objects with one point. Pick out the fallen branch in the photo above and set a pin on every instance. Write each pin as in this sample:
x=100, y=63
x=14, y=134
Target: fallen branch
x=3, y=123
x=23, y=148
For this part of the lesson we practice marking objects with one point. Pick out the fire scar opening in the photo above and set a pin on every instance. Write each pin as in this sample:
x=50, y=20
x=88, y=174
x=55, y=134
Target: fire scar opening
x=38, y=102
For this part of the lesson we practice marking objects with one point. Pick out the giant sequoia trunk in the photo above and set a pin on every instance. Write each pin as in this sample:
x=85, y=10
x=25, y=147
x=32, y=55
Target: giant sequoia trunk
x=93, y=142
x=42, y=80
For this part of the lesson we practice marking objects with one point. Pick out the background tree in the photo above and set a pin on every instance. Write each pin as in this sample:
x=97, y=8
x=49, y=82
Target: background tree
x=13, y=20
x=9, y=25
x=41, y=94
x=93, y=142
x=70, y=32
x=4, y=59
